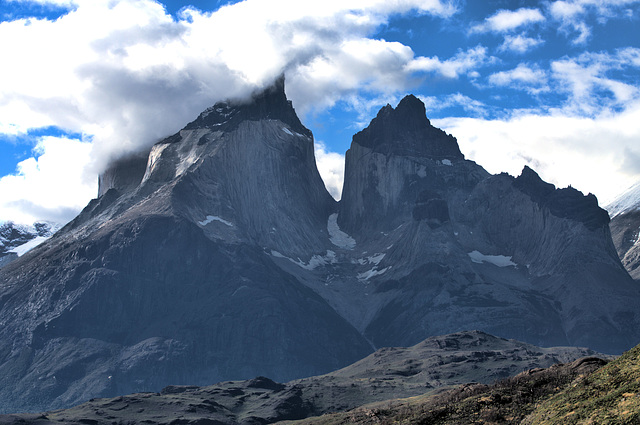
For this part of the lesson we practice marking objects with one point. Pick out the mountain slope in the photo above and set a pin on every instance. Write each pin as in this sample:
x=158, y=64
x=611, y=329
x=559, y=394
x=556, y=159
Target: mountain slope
x=167, y=282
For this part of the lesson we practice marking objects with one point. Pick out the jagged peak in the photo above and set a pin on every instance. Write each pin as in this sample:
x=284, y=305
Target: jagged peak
x=406, y=130
x=567, y=203
x=268, y=103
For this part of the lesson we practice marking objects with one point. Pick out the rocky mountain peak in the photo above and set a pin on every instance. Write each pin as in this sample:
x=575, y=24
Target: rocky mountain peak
x=564, y=203
x=407, y=131
x=269, y=103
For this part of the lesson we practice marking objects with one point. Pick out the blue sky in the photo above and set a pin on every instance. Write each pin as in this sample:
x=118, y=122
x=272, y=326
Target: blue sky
x=550, y=84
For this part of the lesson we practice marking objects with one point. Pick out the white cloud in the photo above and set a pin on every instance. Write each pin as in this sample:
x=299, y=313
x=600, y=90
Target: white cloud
x=599, y=155
x=51, y=185
x=509, y=20
x=136, y=74
x=586, y=80
x=525, y=77
x=433, y=103
x=124, y=73
x=331, y=168
x=463, y=62
x=519, y=43
x=573, y=15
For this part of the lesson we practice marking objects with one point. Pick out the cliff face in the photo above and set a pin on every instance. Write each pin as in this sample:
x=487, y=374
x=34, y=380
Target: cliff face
x=222, y=256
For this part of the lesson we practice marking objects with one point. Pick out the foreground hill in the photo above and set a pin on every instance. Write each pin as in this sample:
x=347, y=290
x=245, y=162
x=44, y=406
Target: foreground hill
x=389, y=373
x=582, y=392
x=219, y=255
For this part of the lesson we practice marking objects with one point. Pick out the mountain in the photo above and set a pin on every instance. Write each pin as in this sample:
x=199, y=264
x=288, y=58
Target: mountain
x=431, y=366
x=223, y=257
x=17, y=239
x=625, y=228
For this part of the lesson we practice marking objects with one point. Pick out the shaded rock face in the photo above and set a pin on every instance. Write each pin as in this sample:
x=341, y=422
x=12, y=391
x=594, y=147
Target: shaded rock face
x=228, y=259
x=124, y=175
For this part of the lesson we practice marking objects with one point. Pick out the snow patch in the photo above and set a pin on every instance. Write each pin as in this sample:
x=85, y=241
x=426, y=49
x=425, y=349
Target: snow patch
x=314, y=262
x=447, y=162
x=496, y=260
x=371, y=273
x=337, y=236
x=211, y=218
x=24, y=248
x=374, y=259
x=286, y=130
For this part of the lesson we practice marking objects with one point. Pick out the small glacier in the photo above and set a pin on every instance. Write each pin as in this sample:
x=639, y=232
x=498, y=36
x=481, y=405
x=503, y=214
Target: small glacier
x=26, y=247
x=337, y=236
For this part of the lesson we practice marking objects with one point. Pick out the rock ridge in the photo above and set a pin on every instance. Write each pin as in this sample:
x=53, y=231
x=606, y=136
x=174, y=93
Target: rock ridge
x=407, y=131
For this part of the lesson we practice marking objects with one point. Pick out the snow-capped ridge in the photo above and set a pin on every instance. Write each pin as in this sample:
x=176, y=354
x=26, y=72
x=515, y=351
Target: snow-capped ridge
x=628, y=201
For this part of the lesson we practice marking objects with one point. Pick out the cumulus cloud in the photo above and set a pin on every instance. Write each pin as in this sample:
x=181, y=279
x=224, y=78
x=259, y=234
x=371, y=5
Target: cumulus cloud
x=52, y=185
x=509, y=20
x=127, y=73
x=331, y=168
x=587, y=153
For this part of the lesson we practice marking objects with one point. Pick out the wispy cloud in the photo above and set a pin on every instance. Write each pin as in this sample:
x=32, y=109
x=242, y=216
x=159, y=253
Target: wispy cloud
x=524, y=76
x=462, y=63
x=519, y=43
x=473, y=106
x=509, y=20
x=573, y=15
x=587, y=82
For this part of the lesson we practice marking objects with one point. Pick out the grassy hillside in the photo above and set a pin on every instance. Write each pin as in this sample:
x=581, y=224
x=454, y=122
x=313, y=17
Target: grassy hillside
x=609, y=396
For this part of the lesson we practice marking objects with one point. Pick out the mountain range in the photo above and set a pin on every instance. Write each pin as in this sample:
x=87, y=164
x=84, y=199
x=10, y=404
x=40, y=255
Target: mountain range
x=219, y=255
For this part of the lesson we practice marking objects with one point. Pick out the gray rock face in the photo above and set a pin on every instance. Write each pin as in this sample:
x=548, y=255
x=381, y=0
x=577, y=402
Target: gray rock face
x=226, y=258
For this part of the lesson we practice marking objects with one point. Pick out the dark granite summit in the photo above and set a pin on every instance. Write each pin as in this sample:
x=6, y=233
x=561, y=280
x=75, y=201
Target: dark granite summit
x=406, y=130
